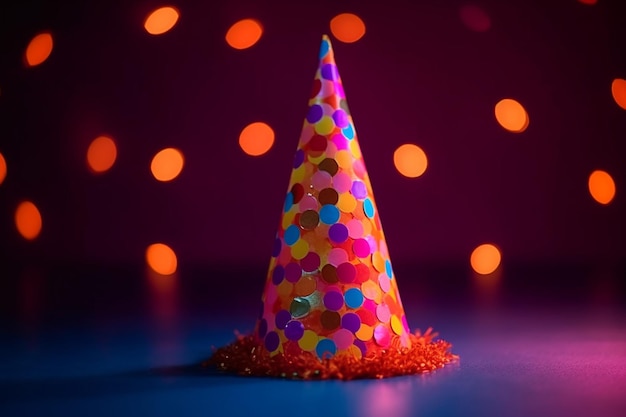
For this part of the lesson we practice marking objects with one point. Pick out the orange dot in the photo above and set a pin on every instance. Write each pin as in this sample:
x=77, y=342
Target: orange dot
x=589, y=2
x=485, y=259
x=244, y=34
x=256, y=139
x=410, y=160
x=101, y=154
x=618, y=89
x=601, y=186
x=28, y=220
x=511, y=115
x=167, y=164
x=161, y=20
x=39, y=49
x=3, y=169
x=161, y=258
x=347, y=27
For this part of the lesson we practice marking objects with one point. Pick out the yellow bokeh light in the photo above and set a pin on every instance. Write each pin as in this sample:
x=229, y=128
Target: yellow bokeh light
x=161, y=20
x=28, y=220
x=410, y=160
x=39, y=49
x=485, y=259
x=244, y=34
x=347, y=27
x=256, y=138
x=601, y=186
x=511, y=115
x=161, y=258
x=101, y=154
x=618, y=89
x=3, y=168
x=167, y=164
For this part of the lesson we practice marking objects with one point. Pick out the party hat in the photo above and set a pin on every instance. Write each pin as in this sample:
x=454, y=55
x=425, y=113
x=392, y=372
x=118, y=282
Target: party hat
x=331, y=305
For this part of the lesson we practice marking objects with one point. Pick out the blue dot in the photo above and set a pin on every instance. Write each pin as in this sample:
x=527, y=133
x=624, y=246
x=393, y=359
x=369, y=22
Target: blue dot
x=354, y=298
x=292, y=234
x=324, y=48
x=329, y=214
x=348, y=132
x=368, y=208
x=388, y=269
x=326, y=348
x=288, y=201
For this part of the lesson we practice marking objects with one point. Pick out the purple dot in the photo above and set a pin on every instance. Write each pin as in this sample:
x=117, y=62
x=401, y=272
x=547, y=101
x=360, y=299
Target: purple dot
x=293, y=272
x=272, y=341
x=333, y=300
x=282, y=318
x=359, y=190
x=278, y=275
x=315, y=113
x=329, y=72
x=262, y=330
x=298, y=159
x=310, y=262
x=277, y=247
x=361, y=345
x=341, y=118
x=346, y=272
x=338, y=233
x=294, y=330
x=351, y=321
x=361, y=248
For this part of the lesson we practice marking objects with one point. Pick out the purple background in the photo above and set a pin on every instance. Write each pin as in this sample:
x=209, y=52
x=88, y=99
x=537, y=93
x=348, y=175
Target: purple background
x=418, y=75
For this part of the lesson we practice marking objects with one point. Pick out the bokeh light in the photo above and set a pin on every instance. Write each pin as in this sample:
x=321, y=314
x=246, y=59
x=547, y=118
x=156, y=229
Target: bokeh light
x=474, y=18
x=589, y=2
x=410, y=160
x=161, y=20
x=601, y=186
x=39, y=49
x=101, y=154
x=167, y=164
x=244, y=34
x=256, y=139
x=161, y=259
x=3, y=168
x=485, y=259
x=28, y=220
x=618, y=89
x=347, y=27
x=511, y=115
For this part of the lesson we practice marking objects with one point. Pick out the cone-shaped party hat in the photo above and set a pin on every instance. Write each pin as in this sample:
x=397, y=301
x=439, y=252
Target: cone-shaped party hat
x=331, y=305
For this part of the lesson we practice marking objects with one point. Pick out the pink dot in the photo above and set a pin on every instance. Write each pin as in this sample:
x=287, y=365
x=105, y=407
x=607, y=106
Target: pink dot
x=382, y=336
x=372, y=242
x=337, y=256
x=321, y=180
x=311, y=262
x=340, y=141
x=369, y=305
x=331, y=150
x=361, y=248
x=307, y=133
x=355, y=228
x=342, y=182
x=343, y=338
x=346, y=272
x=359, y=168
x=308, y=202
x=384, y=282
x=383, y=313
x=328, y=88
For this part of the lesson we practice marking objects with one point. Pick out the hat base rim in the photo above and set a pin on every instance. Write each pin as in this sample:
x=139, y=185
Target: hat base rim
x=247, y=357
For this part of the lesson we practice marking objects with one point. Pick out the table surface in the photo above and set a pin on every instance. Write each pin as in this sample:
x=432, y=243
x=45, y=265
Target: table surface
x=92, y=340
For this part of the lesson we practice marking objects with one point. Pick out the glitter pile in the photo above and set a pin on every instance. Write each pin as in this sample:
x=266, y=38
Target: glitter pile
x=331, y=307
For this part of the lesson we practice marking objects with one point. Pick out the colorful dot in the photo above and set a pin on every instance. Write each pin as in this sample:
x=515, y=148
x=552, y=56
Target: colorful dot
x=321, y=180
x=325, y=348
x=244, y=34
x=328, y=196
x=300, y=249
x=330, y=320
x=329, y=72
x=294, y=330
x=347, y=203
x=324, y=48
x=354, y=298
x=368, y=208
x=342, y=182
x=256, y=139
x=329, y=165
x=365, y=333
x=167, y=164
x=315, y=113
x=343, y=338
x=278, y=275
x=333, y=300
x=396, y=325
x=348, y=132
x=361, y=248
x=347, y=27
x=485, y=259
x=351, y=321
x=288, y=202
x=337, y=256
x=308, y=341
x=282, y=318
x=388, y=269
x=355, y=229
x=292, y=234
x=325, y=126
x=338, y=233
x=329, y=273
x=383, y=313
x=410, y=160
x=359, y=190
x=272, y=341
x=511, y=115
x=382, y=336
x=329, y=214
x=293, y=272
x=277, y=247
x=311, y=262
x=161, y=20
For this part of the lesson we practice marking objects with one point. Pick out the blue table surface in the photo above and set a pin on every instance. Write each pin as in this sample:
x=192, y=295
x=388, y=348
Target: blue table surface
x=94, y=342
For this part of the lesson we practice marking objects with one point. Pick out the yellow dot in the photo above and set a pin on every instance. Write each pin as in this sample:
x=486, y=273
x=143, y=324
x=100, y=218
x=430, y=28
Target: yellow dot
x=308, y=341
x=28, y=220
x=101, y=154
x=161, y=258
x=485, y=259
x=410, y=160
x=161, y=20
x=378, y=261
x=347, y=203
x=288, y=218
x=325, y=126
x=618, y=90
x=39, y=49
x=355, y=149
x=347, y=27
x=601, y=186
x=511, y=115
x=256, y=139
x=300, y=249
x=355, y=351
x=365, y=332
x=396, y=324
x=244, y=34
x=167, y=164
x=3, y=168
